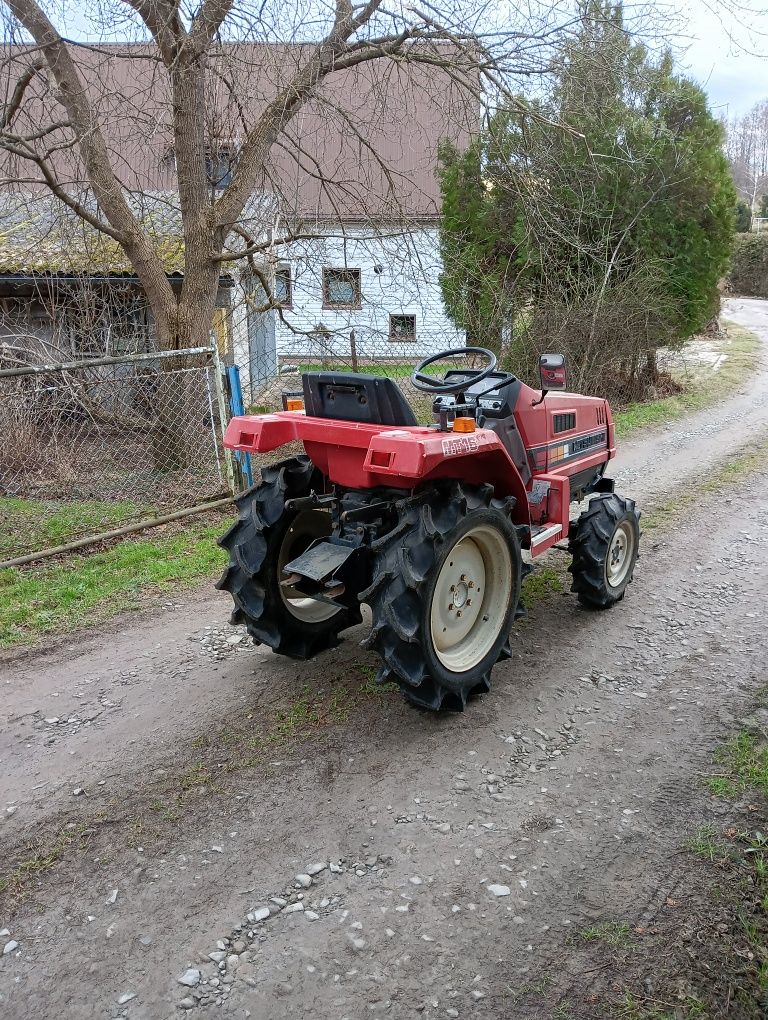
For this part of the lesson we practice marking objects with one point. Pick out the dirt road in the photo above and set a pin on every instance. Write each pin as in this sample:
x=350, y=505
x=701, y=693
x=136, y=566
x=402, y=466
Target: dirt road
x=568, y=791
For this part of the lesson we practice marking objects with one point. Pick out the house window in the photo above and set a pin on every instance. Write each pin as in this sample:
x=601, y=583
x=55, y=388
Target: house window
x=283, y=289
x=341, y=288
x=220, y=166
x=402, y=328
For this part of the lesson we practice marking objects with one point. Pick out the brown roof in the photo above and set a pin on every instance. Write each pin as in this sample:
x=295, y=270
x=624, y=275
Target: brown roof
x=365, y=148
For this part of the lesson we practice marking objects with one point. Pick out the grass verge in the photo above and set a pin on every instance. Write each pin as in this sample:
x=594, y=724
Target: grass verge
x=86, y=589
x=720, y=953
x=701, y=388
x=39, y=523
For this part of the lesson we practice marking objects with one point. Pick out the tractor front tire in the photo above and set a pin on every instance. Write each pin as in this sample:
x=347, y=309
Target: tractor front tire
x=445, y=591
x=265, y=537
x=605, y=544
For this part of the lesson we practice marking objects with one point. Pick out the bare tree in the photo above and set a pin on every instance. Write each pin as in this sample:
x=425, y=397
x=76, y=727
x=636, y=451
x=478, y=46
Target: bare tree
x=196, y=61
x=748, y=153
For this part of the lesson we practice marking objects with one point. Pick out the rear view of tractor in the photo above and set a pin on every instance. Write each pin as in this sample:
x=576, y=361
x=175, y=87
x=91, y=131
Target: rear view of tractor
x=425, y=524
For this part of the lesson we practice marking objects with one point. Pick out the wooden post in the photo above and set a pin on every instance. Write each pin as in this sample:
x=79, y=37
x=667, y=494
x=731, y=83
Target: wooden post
x=353, y=350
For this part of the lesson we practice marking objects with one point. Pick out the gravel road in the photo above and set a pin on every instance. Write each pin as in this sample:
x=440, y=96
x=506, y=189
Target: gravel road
x=412, y=865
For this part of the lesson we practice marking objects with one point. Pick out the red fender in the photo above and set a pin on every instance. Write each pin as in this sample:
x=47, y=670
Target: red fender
x=364, y=456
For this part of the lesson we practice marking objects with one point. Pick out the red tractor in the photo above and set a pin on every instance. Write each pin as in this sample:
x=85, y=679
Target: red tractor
x=426, y=524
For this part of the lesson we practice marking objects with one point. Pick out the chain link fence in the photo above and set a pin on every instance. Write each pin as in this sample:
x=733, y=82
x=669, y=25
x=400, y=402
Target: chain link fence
x=356, y=350
x=96, y=444
x=104, y=442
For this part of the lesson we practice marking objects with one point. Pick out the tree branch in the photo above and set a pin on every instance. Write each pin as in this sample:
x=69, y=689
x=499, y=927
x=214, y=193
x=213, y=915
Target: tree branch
x=124, y=226
x=162, y=19
x=11, y=108
x=205, y=26
x=56, y=188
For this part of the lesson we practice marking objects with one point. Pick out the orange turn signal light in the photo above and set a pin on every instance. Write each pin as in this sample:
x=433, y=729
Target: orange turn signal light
x=294, y=404
x=464, y=425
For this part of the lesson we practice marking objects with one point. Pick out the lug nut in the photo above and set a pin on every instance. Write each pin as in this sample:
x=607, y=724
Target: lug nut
x=458, y=612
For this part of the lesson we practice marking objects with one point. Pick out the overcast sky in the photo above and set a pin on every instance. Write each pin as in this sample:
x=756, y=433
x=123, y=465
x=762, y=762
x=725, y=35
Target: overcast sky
x=727, y=50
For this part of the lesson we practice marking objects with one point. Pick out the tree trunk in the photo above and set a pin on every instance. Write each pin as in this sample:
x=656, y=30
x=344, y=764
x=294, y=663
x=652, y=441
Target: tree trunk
x=170, y=432
x=651, y=368
x=176, y=402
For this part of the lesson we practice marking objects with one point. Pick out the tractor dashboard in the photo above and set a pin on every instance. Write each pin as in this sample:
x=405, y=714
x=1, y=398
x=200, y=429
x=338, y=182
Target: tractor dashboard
x=493, y=397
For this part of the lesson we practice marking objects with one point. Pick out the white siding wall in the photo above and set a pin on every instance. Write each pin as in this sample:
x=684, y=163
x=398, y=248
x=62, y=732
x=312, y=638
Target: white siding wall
x=407, y=284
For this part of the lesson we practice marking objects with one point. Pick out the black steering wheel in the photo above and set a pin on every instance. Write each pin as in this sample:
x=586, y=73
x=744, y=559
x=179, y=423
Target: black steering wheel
x=427, y=383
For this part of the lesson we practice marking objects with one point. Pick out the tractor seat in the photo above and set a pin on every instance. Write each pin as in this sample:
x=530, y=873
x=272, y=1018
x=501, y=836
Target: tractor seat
x=350, y=396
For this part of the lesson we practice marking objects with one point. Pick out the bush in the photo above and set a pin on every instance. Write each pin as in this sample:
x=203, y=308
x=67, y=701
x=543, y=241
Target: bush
x=609, y=339
x=749, y=265
x=743, y=217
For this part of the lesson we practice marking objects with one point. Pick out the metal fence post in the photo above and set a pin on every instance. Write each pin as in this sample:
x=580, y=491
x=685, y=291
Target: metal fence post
x=237, y=407
x=221, y=400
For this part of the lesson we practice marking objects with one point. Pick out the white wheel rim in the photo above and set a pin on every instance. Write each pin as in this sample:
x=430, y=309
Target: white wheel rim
x=621, y=549
x=308, y=524
x=470, y=599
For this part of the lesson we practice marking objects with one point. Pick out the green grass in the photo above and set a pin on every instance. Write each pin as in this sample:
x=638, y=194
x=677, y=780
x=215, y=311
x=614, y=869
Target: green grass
x=742, y=350
x=540, y=585
x=744, y=761
x=612, y=933
x=741, y=856
x=391, y=369
x=634, y=1007
x=39, y=858
x=39, y=523
x=705, y=843
x=85, y=589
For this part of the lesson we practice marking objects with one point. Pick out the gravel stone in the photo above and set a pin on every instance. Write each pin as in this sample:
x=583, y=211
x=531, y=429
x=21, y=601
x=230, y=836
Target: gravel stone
x=498, y=890
x=259, y=914
x=10, y=946
x=190, y=977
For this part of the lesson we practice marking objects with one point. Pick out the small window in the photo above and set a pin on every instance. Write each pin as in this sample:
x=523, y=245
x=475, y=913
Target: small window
x=283, y=289
x=341, y=288
x=402, y=328
x=220, y=166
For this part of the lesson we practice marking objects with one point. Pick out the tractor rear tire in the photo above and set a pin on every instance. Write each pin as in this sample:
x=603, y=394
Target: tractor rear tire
x=604, y=543
x=445, y=591
x=265, y=537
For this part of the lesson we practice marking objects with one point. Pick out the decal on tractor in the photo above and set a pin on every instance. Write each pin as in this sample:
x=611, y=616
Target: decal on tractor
x=460, y=445
x=429, y=535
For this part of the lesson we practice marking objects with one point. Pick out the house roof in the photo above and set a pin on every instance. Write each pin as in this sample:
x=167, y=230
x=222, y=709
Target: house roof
x=365, y=148
x=40, y=235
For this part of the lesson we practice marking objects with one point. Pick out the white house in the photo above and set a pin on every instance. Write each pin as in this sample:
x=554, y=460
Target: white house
x=363, y=194
x=353, y=295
